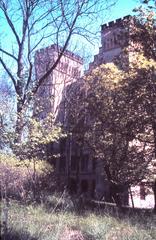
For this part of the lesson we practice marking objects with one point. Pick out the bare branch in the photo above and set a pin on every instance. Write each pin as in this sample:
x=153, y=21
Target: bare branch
x=40, y=81
x=8, y=54
x=10, y=23
x=9, y=73
x=63, y=14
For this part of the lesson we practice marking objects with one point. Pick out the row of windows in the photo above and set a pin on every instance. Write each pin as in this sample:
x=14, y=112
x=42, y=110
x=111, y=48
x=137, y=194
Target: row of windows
x=75, y=160
x=66, y=68
x=84, y=186
x=113, y=41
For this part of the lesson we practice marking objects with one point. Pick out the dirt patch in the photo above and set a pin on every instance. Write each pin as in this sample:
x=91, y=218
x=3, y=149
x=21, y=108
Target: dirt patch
x=70, y=234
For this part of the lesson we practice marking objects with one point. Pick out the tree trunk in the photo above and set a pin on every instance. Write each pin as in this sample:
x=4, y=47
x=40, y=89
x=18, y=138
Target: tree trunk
x=131, y=195
x=154, y=191
x=113, y=187
x=19, y=124
x=18, y=128
x=19, y=91
x=154, y=185
x=34, y=180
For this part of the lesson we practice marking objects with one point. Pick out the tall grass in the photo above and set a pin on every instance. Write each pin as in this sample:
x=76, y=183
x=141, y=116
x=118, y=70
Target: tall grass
x=56, y=219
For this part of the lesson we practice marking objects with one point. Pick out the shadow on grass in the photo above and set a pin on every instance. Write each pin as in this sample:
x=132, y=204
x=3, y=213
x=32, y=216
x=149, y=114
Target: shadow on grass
x=17, y=235
x=88, y=236
x=145, y=219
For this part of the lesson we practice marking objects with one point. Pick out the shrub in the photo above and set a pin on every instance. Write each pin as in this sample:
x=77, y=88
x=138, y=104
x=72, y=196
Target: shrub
x=23, y=179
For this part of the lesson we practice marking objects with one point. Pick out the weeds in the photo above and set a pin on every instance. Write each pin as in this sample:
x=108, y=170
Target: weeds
x=37, y=222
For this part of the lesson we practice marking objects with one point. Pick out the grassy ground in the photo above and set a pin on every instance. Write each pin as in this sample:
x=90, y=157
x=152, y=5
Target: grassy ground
x=46, y=222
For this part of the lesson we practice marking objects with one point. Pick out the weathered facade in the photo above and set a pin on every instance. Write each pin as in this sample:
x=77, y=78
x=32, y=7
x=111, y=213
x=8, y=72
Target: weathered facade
x=50, y=93
x=113, y=40
x=76, y=166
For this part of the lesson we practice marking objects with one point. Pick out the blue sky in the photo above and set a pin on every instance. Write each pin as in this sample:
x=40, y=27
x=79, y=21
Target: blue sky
x=123, y=8
x=120, y=9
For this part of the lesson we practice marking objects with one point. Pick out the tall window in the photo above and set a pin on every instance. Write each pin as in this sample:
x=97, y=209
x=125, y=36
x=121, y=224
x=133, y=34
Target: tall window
x=104, y=45
x=84, y=186
x=84, y=163
x=94, y=164
x=74, y=163
x=62, y=145
x=62, y=164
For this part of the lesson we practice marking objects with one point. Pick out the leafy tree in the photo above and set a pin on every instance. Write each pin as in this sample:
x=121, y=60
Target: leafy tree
x=7, y=116
x=143, y=86
x=115, y=126
x=119, y=105
x=28, y=25
x=127, y=114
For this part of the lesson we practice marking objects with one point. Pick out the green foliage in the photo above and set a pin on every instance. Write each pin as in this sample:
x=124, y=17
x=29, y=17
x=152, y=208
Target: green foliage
x=7, y=116
x=19, y=179
x=113, y=109
x=143, y=32
x=116, y=124
x=38, y=133
x=14, y=162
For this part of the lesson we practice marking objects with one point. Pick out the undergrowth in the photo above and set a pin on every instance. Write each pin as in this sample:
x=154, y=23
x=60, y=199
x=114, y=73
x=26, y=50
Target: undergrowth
x=57, y=219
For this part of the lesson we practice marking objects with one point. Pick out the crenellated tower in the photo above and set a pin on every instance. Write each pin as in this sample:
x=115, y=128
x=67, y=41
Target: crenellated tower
x=67, y=71
x=114, y=37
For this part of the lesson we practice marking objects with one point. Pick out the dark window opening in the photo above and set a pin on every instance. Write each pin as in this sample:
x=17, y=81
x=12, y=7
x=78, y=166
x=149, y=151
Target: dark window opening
x=73, y=186
x=93, y=189
x=62, y=164
x=84, y=163
x=50, y=148
x=84, y=186
x=74, y=163
x=94, y=164
x=62, y=145
x=108, y=44
x=112, y=42
x=104, y=45
x=53, y=161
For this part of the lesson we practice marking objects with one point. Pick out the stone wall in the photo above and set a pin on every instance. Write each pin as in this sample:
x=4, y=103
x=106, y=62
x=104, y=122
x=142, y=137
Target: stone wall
x=113, y=40
x=68, y=70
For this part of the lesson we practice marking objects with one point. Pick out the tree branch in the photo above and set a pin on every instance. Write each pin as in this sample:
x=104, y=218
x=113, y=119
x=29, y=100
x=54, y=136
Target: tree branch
x=40, y=81
x=11, y=25
x=9, y=73
x=9, y=54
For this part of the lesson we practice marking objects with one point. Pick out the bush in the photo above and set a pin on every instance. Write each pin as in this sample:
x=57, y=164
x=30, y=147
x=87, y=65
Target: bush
x=23, y=179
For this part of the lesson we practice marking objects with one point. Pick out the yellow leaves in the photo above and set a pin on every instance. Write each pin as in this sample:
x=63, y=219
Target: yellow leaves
x=43, y=132
x=141, y=62
x=40, y=133
x=8, y=159
x=108, y=74
x=25, y=165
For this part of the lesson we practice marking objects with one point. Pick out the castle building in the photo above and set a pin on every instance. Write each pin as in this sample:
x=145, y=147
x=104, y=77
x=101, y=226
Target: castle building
x=115, y=36
x=67, y=71
x=76, y=167
x=113, y=40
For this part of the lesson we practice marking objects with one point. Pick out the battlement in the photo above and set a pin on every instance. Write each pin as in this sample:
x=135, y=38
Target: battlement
x=116, y=23
x=59, y=49
x=113, y=40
